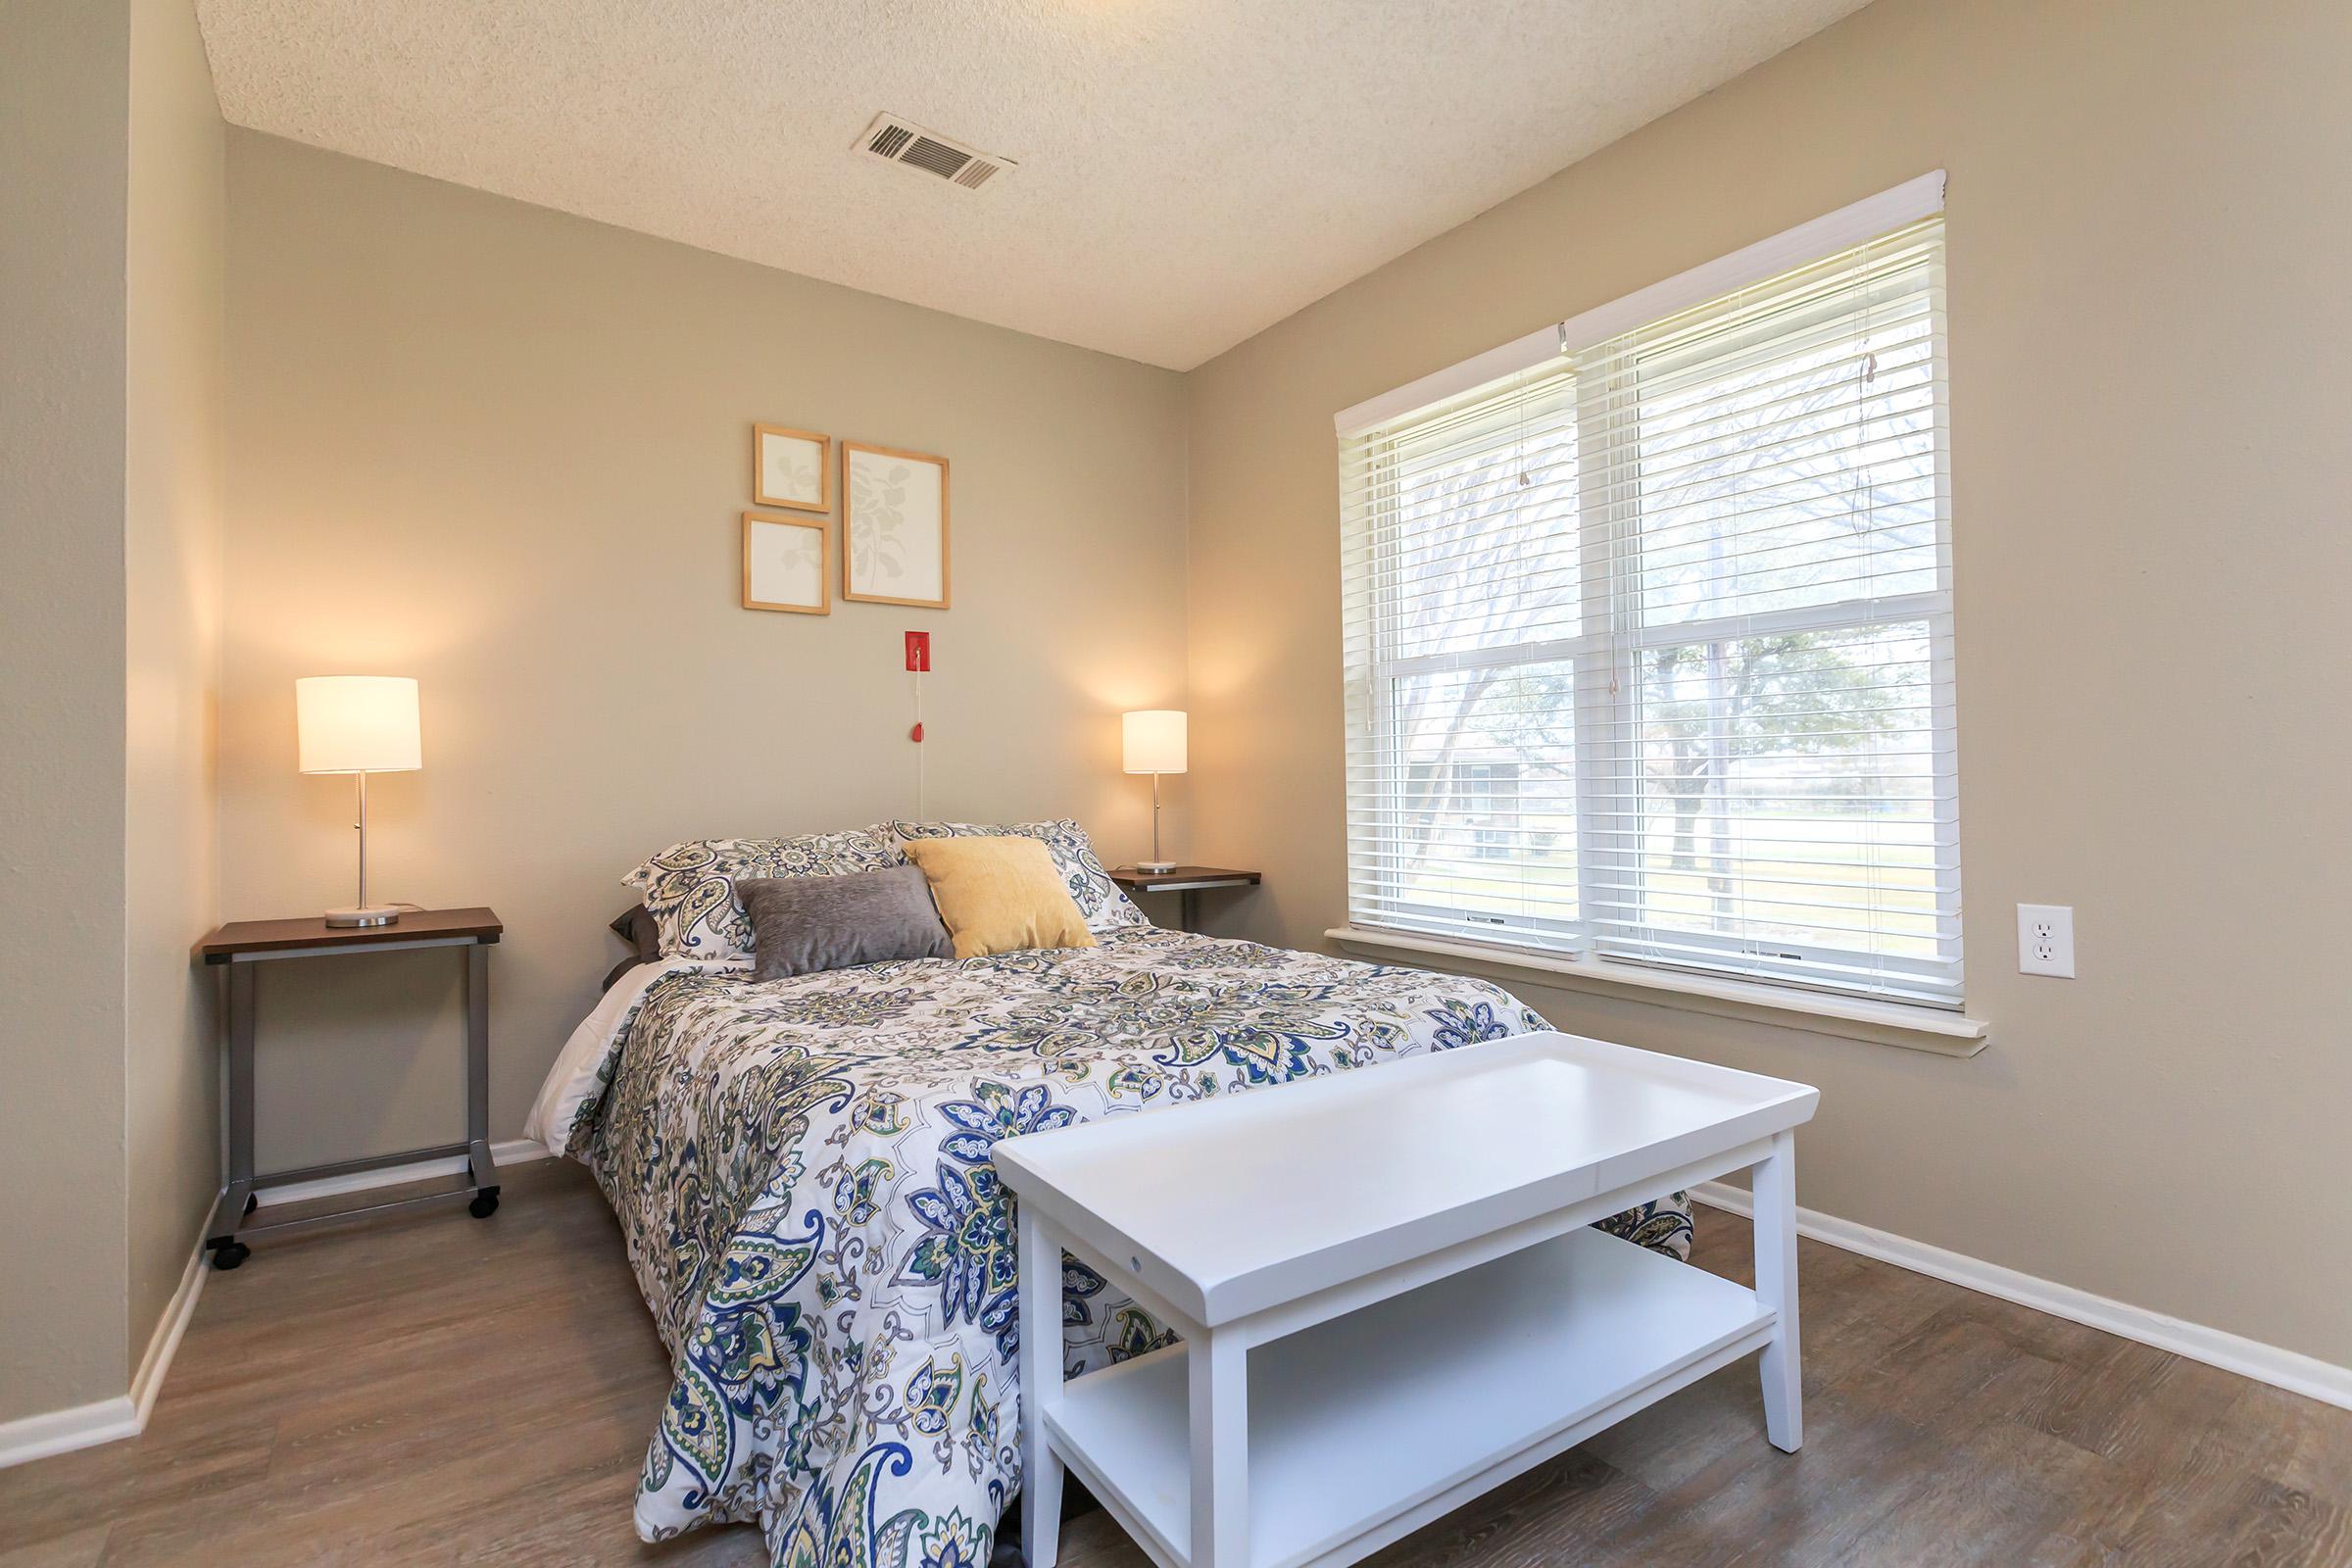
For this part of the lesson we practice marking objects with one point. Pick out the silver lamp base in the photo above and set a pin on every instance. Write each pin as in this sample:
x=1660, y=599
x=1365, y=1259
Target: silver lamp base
x=1156, y=867
x=364, y=914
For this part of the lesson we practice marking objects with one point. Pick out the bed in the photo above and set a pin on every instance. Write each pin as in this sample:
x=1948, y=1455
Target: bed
x=801, y=1170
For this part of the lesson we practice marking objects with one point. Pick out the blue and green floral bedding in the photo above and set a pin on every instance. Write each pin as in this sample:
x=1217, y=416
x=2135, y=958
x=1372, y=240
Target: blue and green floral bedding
x=802, y=1171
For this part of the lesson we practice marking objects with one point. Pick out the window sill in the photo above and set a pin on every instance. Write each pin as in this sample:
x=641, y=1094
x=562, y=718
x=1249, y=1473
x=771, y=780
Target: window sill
x=1884, y=1023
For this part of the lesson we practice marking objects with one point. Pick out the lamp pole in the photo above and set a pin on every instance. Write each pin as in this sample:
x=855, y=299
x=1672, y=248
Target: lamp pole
x=362, y=913
x=362, y=776
x=1156, y=864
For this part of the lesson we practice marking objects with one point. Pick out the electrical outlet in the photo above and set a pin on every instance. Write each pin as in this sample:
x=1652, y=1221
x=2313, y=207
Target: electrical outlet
x=2045, y=940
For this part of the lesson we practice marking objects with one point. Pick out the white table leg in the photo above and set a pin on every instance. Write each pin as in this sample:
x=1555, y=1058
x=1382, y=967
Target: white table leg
x=1219, y=1371
x=1775, y=1186
x=1040, y=1265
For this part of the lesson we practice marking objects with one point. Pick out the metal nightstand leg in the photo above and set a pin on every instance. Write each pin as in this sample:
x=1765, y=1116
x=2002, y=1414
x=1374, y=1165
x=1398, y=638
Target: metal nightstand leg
x=237, y=1197
x=224, y=1231
x=477, y=1082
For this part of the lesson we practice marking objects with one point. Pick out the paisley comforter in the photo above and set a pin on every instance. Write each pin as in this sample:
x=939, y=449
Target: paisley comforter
x=802, y=1171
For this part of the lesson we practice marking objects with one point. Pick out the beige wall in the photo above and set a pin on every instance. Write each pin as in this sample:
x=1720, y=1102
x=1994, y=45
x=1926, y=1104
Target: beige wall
x=110, y=308
x=172, y=586
x=64, y=96
x=504, y=451
x=2150, y=351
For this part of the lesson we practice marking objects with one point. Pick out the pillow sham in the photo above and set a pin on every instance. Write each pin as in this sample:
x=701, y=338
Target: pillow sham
x=999, y=894
x=1101, y=903
x=689, y=887
x=808, y=924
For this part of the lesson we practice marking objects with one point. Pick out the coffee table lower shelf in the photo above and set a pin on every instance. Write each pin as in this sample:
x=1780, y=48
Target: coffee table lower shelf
x=1367, y=1426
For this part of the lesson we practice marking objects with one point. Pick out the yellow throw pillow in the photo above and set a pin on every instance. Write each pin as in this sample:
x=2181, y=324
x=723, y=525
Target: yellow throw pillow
x=999, y=894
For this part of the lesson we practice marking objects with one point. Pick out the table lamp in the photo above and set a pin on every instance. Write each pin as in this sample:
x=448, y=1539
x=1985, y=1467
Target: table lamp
x=1152, y=741
x=357, y=724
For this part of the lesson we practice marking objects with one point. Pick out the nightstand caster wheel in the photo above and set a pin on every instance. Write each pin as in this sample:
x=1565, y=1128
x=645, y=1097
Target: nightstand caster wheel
x=253, y=1201
x=484, y=1204
x=229, y=1254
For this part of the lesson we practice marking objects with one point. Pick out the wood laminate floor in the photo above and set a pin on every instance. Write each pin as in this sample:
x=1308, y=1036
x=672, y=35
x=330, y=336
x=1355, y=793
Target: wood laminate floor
x=441, y=1390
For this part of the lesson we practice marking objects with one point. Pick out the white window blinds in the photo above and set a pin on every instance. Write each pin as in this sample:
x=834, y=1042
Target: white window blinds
x=1648, y=645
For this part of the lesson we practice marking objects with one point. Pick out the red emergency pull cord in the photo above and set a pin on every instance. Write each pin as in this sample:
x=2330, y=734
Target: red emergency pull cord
x=918, y=660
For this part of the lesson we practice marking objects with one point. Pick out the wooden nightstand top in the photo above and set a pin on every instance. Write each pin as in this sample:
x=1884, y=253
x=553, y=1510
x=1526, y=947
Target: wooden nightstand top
x=413, y=925
x=1182, y=877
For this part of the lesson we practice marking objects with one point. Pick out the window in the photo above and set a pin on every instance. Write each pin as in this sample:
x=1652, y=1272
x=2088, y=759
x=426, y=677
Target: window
x=1648, y=642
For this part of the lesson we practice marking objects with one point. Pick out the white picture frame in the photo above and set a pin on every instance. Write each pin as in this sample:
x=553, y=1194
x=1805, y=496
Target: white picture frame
x=784, y=565
x=791, y=468
x=894, y=526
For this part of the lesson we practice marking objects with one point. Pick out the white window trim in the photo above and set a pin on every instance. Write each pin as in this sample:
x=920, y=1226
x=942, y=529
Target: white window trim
x=1843, y=230
x=1888, y=1023
x=1910, y=1025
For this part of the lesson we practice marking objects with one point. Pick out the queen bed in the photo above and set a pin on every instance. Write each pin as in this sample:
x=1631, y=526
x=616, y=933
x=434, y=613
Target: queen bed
x=801, y=1170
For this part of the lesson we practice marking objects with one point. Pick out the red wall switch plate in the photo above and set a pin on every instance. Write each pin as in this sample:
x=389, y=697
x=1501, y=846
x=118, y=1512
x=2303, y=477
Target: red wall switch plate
x=918, y=651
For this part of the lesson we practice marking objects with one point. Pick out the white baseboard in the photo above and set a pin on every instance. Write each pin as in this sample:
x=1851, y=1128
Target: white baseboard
x=37, y=1436
x=2290, y=1370
x=84, y=1426
x=514, y=1152
x=164, y=1343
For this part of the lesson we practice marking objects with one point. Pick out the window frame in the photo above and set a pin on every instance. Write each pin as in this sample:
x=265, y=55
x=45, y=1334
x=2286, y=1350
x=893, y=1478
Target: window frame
x=1609, y=903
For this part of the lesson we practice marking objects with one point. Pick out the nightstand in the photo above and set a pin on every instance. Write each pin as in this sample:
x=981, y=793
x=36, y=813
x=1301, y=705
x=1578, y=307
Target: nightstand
x=1187, y=880
x=239, y=949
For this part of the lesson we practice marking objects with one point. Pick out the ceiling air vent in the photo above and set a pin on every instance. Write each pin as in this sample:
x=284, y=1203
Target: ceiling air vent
x=904, y=142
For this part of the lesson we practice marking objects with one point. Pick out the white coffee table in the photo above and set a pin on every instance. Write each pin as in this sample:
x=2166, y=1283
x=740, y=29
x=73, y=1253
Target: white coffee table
x=1388, y=1290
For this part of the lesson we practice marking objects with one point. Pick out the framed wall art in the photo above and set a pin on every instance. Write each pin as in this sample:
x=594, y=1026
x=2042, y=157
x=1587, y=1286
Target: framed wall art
x=791, y=468
x=894, y=526
x=784, y=565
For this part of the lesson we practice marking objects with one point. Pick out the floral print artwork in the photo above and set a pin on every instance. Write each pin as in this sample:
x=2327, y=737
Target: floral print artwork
x=802, y=1172
x=895, y=530
x=791, y=469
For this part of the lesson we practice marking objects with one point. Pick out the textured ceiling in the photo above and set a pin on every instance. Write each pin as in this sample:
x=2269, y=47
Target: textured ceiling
x=1190, y=171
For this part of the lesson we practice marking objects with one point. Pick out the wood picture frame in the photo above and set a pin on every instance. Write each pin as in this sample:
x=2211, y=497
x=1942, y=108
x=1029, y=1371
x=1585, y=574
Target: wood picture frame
x=786, y=462
x=891, y=525
x=779, y=570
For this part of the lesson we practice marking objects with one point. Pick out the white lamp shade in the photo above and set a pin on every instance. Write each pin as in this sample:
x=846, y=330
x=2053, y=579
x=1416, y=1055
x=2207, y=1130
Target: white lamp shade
x=356, y=725
x=1151, y=739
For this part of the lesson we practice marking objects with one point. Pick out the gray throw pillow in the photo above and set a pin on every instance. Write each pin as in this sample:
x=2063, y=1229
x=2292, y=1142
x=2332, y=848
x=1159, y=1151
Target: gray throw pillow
x=805, y=924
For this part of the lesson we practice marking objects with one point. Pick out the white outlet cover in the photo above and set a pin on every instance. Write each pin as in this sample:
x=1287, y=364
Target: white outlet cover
x=2045, y=940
